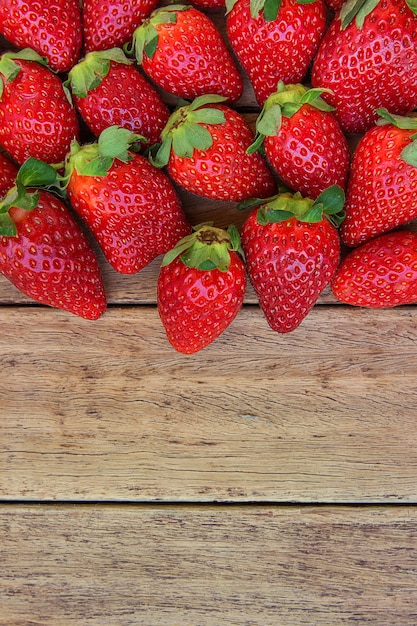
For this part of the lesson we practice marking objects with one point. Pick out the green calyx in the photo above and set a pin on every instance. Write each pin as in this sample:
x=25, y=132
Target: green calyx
x=286, y=205
x=285, y=102
x=9, y=69
x=356, y=10
x=33, y=174
x=95, y=159
x=270, y=8
x=184, y=131
x=409, y=153
x=206, y=248
x=88, y=73
x=145, y=37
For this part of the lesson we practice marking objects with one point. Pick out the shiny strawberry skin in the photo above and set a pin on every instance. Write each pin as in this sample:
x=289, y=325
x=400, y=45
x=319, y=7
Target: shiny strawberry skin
x=134, y=212
x=8, y=173
x=278, y=50
x=382, y=189
x=192, y=59
x=381, y=273
x=36, y=118
x=289, y=264
x=50, y=27
x=124, y=98
x=310, y=152
x=196, y=306
x=109, y=23
x=224, y=171
x=51, y=260
x=368, y=68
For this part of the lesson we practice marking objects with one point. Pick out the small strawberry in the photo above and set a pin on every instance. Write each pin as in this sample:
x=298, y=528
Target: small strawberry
x=52, y=28
x=8, y=174
x=205, y=147
x=292, y=250
x=382, y=189
x=36, y=118
x=368, y=59
x=201, y=287
x=182, y=51
x=43, y=250
x=380, y=273
x=108, y=90
x=111, y=23
x=303, y=140
x=275, y=40
x=130, y=206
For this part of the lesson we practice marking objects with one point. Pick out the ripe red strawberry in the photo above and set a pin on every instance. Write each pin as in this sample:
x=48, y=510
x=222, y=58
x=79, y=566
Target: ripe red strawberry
x=43, y=250
x=108, y=90
x=302, y=140
x=36, y=118
x=382, y=190
x=275, y=40
x=110, y=23
x=8, y=173
x=201, y=287
x=292, y=250
x=380, y=273
x=182, y=51
x=205, y=147
x=368, y=59
x=130, y=206
x=50, y=27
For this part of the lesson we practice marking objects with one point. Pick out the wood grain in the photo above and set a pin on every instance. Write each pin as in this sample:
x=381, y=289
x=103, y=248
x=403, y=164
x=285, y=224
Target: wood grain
x=161, y=566
x=108, y=410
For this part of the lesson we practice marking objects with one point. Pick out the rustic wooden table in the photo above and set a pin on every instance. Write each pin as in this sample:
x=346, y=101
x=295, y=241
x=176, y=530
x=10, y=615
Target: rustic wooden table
x=267, y=480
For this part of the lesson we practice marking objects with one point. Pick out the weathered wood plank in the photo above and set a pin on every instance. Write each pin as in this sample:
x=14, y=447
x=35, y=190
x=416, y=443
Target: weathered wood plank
x=108, y=410
x=211, y=565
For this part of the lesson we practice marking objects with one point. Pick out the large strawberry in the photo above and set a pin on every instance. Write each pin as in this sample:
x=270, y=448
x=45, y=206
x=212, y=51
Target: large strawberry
x=275, y=40
x=382, y=190
x=110, y=23
x=303, y=140
x=380, y=273
x=43, y=250
x=130, y=206
x=107, y=89
x=292, y=251
x=181, y=50
x=205, y=147
x=368, y=59
x=36, y=117
x=8, y=173
x=50, y=27
x=201, y=286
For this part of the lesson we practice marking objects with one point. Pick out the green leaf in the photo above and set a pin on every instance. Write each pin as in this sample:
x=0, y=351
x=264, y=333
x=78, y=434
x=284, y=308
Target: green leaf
x=271, y=8
x=115, y=142
x=200, y=138
x=97, y=167
x=181, y=143
x=358, y=9
x=314, y=215
x=7, y=226
x=164, y=152
x=269, y=123
x=36, y=173
x=400, y=121
x=256, y=7
x=409, y=154
x=331, y=199
x=412, y=5
x=151, y=46
x=207, y=115
x=202, y=101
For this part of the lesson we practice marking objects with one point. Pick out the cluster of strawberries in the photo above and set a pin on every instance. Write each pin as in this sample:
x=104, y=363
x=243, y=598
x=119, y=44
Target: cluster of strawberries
x=89, y=139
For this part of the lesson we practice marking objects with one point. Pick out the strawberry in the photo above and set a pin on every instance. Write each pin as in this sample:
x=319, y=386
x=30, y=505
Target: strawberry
x=108, y=90
x=111, y=23
x=274, y=40
x=382, y=190
x=368, y=59
x=182, y=51
x=381, y=273
x=130, y=206
x=302, y=140
x=292, y=250
x=8, y=173
x=43, y=250
x=50, y=27
x=204, y=146
x=201, y=286
x=36, y=118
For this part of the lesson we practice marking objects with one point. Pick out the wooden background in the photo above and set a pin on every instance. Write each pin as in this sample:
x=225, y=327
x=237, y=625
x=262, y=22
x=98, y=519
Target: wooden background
x=268, y=480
